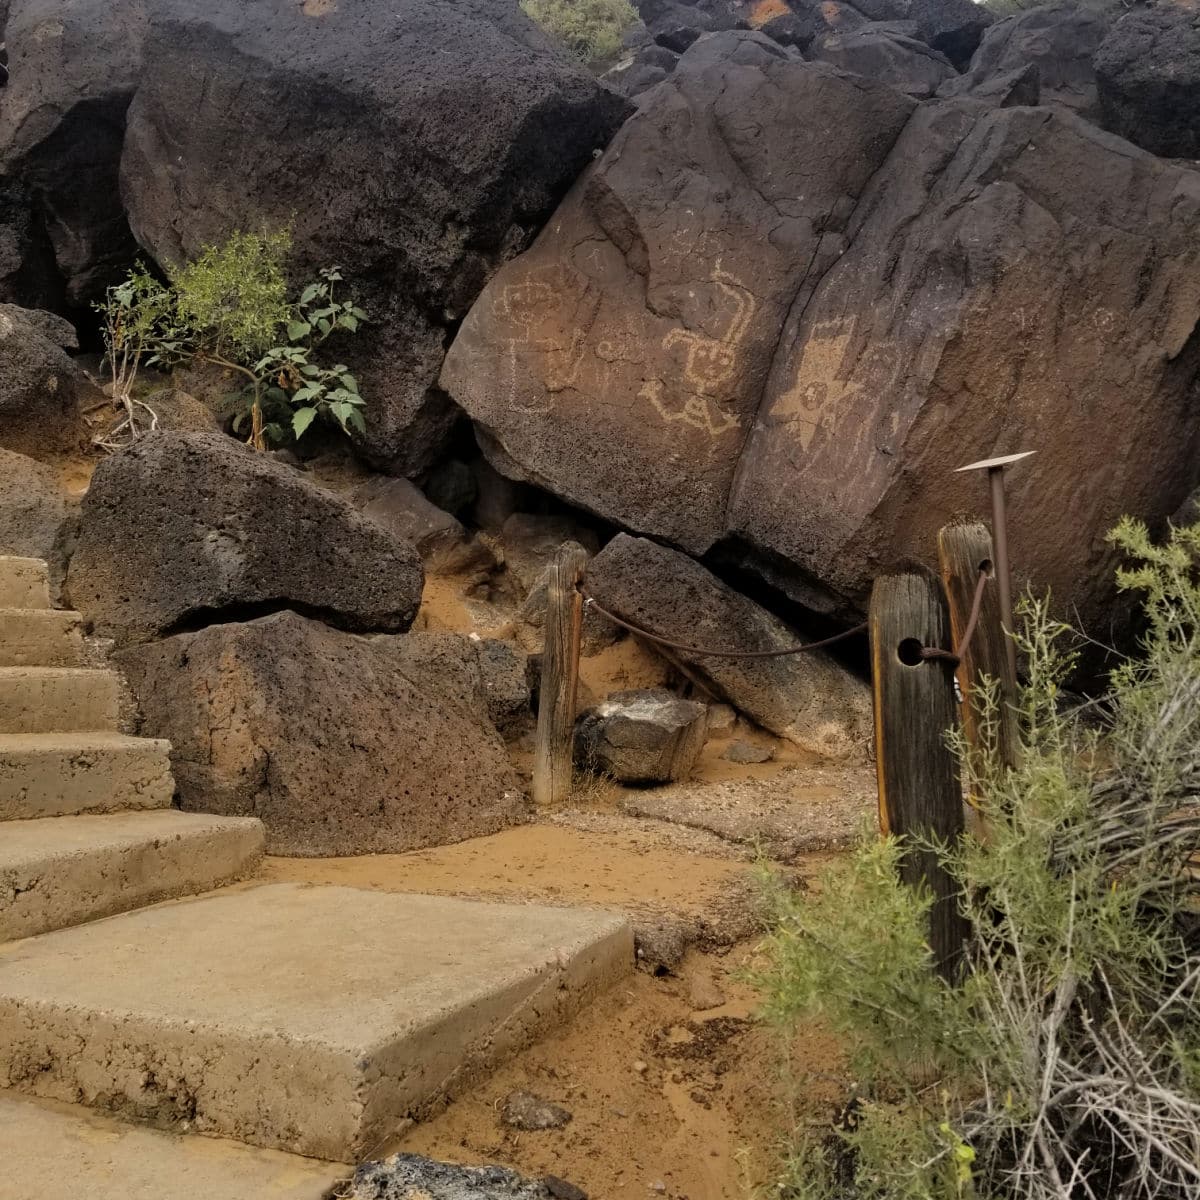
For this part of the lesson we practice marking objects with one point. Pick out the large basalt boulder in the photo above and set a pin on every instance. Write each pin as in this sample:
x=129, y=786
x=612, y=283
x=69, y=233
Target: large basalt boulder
x=35, y=519
x=880, y=51
x=42, y=390
x=1148, y=76
x=952, y=27
x=1058, y=40
x=619, y=361
x=188, y=528
x=417, y=143
x=340, y=744
x=1018, y=280
x=807, y=698
x=73, y=67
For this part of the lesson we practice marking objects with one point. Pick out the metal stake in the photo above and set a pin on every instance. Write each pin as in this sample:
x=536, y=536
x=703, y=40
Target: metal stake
x=995, y=468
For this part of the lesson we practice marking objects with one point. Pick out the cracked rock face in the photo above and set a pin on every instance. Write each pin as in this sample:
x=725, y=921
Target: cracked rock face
x=647, y=735
x=619, y=361
x=340, y=744
x=187, y=529
x=416, y=143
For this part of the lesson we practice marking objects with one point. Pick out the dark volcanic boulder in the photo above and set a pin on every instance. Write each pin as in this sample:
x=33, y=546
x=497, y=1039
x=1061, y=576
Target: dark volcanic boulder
x=1058, y=40
x=809, y=19
x=953, y=27
x=1148, y=75
x=189, y=528
x=417, y=143
x=619, y=362
x=1017, y=280
x=340, y=744
x=807, y=698
x=73, y=66
x=42, y=390
x=879, y=51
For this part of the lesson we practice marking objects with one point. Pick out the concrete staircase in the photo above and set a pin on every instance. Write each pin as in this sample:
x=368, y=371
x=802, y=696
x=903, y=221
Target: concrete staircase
x=308, y=1020
x=89, y=829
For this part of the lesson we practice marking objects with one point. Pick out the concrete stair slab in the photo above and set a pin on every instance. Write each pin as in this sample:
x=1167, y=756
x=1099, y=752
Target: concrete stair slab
x=62, y=871
x=311, y=1019
x=56, y=700
x=63, y=1152
x=24, y=582
x=58, y=774
x=40, y=637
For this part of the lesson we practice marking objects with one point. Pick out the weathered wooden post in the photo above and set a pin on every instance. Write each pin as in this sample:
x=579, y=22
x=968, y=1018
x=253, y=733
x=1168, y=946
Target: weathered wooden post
x=553, y=747
x=915, y=707
x=963, y=551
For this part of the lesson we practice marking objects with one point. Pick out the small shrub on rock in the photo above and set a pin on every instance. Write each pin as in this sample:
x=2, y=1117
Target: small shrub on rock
x=590, y=29
x=231, y=306
x=1066, y=1064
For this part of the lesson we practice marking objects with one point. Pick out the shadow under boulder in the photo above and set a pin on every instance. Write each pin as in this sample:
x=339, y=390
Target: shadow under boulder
x=339, y=744
x=186, y=529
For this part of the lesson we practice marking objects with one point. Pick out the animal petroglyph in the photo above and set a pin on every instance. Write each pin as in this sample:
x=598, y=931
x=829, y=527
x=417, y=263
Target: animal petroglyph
x=816, y=398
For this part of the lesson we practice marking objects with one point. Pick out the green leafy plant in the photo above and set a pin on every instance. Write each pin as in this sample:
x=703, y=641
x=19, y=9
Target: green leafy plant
x=231, y=307
x=590, y=29
x=1067, y=1063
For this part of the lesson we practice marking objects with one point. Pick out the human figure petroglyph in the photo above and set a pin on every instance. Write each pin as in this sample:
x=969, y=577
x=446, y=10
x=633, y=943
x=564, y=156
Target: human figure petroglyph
x=814, y=400
x=697, y=411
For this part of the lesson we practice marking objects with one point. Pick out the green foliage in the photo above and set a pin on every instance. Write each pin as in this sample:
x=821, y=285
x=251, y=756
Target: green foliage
x=1065, y=1064
x=231, y=307
x=590, y=29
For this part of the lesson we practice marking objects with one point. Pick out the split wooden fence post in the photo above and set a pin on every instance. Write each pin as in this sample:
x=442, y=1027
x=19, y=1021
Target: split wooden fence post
x=554, y=745
x=915, y=707
x=962, y=551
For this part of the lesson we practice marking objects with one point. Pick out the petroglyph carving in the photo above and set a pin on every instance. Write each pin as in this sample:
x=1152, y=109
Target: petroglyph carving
x=816, y=398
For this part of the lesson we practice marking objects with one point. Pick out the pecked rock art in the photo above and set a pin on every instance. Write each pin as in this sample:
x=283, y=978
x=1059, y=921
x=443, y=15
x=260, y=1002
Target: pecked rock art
x=621, y=360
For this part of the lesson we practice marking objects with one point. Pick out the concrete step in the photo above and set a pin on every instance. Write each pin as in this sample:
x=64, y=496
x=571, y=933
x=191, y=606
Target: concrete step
x=63, y=871
x=317, y=1020
x=24, y=582
x=40, y=637
x=58, y=774
x=64, y=1152
x=57, y=700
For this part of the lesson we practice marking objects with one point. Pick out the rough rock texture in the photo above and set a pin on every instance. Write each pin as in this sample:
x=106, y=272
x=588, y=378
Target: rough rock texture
x=525, y=1111
x=1017, y=279
x=189, y=528
x=73, y=66
x=505, y=673
x=619, y=361
x=416, y=143
x=34, y=519
x=642, y=736
x=953, y=27
x=341, y=744
x=1056, y=39
x=807, y=698
x=28, y=273
x=41, y=388
x=408, y=1176
x=881, y=52
x=1148, y=76
x=440, y=539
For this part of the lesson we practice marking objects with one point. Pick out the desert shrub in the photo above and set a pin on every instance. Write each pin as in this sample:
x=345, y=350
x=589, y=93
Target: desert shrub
x=1067, y=1063
x=590, y=29
x=232, y=306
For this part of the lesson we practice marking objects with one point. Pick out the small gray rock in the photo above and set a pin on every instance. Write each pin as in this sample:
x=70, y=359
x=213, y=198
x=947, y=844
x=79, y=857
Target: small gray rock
x=747, y=752
x=704, y=993
x=412, y=1177
x=525, y=1111
x=642, y=736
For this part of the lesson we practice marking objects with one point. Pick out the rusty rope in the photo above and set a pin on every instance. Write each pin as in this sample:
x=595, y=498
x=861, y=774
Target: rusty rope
x=707, y=652
x=927, y=652
x=955, y=656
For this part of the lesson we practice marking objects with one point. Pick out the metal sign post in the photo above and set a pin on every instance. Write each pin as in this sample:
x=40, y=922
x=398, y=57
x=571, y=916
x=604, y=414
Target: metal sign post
x=995, y=468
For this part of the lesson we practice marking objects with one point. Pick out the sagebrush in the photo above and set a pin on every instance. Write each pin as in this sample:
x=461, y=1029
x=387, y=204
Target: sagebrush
x=1067, y=1062
x=590, y=29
